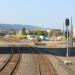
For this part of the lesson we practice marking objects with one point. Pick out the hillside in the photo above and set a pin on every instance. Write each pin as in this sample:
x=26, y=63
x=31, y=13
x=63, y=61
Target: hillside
x=18, y=27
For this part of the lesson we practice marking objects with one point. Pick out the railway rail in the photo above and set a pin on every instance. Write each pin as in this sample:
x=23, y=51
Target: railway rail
x=9, y=67
x=43, y=65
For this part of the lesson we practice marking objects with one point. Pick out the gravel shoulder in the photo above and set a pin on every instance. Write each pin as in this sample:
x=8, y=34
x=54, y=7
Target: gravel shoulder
x=59, y=68
x=72, y=67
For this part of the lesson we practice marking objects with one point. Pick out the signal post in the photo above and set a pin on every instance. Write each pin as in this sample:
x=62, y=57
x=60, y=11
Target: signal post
x=67, y=61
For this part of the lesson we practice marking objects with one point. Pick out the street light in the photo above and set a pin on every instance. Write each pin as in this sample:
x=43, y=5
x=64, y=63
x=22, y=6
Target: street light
x=67, y=36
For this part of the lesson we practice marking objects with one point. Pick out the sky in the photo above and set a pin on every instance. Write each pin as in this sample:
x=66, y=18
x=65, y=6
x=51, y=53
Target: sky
x=42, y=13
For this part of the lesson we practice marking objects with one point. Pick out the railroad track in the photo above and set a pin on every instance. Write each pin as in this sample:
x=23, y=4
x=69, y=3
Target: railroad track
x=9, y=67
x=43, y=65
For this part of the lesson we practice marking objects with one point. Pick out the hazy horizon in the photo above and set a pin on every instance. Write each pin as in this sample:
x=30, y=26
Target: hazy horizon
x=41, y=13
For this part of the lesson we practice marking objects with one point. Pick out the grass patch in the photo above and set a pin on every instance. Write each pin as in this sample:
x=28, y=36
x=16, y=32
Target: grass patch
x=3, y=43
x=18, y=36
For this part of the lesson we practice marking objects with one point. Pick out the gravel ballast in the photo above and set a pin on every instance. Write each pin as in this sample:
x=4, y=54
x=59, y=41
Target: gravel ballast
x=27, y=66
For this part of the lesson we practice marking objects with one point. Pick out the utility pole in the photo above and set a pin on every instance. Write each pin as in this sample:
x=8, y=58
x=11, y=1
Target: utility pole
x=71, y=32
x=63, y=28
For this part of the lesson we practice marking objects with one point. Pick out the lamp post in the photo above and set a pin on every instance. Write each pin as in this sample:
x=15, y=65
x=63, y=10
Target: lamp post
x=67, y=46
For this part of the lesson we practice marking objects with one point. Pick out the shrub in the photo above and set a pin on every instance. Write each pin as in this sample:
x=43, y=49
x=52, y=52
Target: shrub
x=18, y=36
x=74, y=39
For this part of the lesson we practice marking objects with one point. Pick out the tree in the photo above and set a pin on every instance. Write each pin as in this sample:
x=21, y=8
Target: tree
x=44, y=33
x=2, y=34
x=24, y=31
x=56, y=32
x=38, y=32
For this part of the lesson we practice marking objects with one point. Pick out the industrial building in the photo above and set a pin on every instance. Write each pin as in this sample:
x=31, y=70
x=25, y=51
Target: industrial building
x=73, y=31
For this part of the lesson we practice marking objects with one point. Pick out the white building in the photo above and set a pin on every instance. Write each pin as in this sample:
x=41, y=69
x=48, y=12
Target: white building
x=73, y=31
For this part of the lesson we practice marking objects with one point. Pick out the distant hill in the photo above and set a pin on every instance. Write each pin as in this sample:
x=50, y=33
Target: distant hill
x=18, y=27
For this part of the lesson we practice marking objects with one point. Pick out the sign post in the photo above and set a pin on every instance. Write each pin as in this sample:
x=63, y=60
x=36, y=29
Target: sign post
x=67, y=45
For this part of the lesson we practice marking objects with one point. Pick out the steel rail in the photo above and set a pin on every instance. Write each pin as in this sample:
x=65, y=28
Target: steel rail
x=38, y=71
x=17, y=61
x=50, y=64
x=45, y=63
x=10, y=66
x=4, y=64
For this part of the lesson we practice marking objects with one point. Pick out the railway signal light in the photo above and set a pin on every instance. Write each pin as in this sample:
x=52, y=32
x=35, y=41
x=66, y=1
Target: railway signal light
x=67, y=22
x=67, y=35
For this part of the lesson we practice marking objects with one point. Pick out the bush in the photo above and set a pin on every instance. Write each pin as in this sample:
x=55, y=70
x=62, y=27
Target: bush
x=2, y=34
x=38, y=39
x=73, y=39
x=18, y=36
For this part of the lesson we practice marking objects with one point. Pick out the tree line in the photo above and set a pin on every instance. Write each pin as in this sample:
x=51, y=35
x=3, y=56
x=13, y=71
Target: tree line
x=53, y=32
